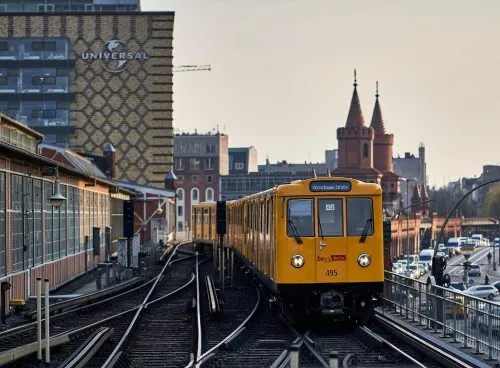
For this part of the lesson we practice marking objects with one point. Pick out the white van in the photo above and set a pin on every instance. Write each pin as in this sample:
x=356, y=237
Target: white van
x=426, y=255
x=454, y=245
x=477, y=239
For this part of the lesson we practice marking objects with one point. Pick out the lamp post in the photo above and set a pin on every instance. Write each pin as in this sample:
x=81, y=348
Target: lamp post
x=407, y=223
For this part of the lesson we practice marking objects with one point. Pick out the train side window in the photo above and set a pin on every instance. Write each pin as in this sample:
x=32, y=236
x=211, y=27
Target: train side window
x=359, y=216
x=300, y=217
x=330, y=217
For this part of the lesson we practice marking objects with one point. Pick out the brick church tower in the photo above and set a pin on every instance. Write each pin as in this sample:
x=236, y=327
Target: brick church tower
x=365, y=153
x=382, y=158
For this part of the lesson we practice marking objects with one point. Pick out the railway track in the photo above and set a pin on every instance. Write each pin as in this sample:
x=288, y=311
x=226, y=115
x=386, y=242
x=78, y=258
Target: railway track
x=79, y=323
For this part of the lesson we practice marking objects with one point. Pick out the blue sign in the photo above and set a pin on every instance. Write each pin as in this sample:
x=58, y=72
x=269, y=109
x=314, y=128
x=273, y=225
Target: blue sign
x=330, y=186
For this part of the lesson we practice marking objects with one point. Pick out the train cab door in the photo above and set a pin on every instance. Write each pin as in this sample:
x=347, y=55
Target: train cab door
x=331, y=242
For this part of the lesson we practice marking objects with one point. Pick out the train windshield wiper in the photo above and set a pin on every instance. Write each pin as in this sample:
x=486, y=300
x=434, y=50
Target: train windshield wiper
x=365, y=230
x=320, y=229
x=295, y=232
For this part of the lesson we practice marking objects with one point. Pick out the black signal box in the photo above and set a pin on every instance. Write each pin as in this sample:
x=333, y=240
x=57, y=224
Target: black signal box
x=221, y=217
x=128, y=219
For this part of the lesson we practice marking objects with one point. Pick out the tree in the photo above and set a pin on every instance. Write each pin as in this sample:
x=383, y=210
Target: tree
x=492, y=202
x=444, y=199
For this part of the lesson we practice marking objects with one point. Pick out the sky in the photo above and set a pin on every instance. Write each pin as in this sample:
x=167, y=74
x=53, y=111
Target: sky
x=282, y=75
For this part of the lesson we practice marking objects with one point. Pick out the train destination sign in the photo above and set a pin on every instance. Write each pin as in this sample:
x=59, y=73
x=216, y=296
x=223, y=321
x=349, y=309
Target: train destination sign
x=330, y=186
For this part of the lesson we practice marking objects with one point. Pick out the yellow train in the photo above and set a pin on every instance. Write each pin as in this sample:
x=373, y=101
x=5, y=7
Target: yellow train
x=317, y=244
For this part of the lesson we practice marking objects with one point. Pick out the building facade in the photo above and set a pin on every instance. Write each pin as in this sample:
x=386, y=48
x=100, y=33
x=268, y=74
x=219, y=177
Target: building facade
x=242, y=160
x=200, y=161
x=58, y=6
x=39, y=239
x=85, y=79
x=413, y=168
x=365, y=152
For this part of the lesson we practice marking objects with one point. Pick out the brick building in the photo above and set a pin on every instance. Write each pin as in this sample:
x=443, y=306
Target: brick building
x=200, y=161
x=365, y=152
x=39, y=238
x=89, y=73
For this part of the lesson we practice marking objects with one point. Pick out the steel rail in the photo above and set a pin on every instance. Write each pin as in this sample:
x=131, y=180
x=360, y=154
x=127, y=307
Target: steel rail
x=209, y=352
x=31, y=325
x=198, y=312
x=437, y=353
x=308, y=343
x=393, y=347
x=125, y=336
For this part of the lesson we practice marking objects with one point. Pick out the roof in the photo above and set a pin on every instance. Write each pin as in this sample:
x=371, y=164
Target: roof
x=62, y=166
x=83, y=164
x=21, y=126
x=355, y=116
x=144, y=189
x=293, y=168
x=377, y=122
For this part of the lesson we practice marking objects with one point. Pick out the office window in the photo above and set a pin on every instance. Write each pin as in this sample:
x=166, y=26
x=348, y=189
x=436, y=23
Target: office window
x=179, y=165
x=209, y=163
x=180, y=194
x=194, y=163
x=17, y=222
x=3, y=225
x=180, y=211
x=209, y=195
x=180, y=179
x=239, y=166
x=37, y=208
x=48, y=211
x=195, y=195
x=210, y=179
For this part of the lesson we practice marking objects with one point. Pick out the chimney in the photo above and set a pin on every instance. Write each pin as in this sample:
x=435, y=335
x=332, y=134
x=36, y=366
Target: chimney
x=170, y=180
x=110, y=158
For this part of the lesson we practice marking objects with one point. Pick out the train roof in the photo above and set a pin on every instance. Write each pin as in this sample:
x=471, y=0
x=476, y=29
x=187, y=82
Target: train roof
x=321, y=186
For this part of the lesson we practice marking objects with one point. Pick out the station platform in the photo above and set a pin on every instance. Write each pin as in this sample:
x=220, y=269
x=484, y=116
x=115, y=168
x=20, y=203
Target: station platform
x=436, y=338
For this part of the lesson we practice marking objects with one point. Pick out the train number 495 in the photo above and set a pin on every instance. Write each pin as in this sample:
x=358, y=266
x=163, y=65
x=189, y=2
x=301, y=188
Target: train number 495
x=331, y=273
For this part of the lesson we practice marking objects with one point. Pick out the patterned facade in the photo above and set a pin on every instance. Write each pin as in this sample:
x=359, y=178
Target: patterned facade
x=113, y=84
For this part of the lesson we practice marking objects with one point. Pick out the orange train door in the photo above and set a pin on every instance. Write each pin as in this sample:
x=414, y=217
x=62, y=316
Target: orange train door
x=331, y=242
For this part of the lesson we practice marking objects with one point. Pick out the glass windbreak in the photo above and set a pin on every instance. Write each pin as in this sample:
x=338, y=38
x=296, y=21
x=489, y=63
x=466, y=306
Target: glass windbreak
x=300, y=221
x=330, y=217
x=359, y=216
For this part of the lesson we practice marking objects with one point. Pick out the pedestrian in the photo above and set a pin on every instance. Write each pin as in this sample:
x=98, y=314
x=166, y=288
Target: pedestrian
x=489, y=257
x=486, y=280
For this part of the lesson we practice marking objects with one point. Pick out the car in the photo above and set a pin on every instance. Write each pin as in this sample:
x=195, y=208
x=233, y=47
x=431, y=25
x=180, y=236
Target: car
x=497, y=285
x=397, y=268
x=414, y=271
x=474, y=270
x=482, y=291
x=457, y=286
x=423, y=267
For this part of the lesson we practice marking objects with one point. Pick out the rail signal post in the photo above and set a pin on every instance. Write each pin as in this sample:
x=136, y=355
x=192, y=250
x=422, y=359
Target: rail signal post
x=221, y=231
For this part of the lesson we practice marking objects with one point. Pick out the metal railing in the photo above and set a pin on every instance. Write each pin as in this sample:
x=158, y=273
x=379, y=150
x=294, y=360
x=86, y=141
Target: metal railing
x=473, y=323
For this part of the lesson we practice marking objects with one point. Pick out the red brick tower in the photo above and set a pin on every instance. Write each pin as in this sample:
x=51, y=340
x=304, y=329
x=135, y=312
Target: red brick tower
x=382, y=158
x=355, y=142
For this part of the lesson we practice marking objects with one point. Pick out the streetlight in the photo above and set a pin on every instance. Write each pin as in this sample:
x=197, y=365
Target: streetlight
x=408, y=223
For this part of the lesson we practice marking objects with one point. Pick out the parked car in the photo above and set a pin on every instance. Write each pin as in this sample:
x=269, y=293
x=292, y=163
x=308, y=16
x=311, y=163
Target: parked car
x=482, y=291
x=414, y=271
x=427, y=266
x=457, y=286
x=397, y=268
x=497, y=285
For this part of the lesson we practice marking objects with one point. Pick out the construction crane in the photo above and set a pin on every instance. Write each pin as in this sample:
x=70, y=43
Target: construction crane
x=192, y=68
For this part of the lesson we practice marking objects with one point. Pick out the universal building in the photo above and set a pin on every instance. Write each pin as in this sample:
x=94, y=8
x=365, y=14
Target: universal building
x=87, y=73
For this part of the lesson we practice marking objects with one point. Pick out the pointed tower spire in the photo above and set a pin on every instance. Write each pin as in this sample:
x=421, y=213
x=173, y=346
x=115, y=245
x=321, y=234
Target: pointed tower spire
x=355, y=116
x=377, y=122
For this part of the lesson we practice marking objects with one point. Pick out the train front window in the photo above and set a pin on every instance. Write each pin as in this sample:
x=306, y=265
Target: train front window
x=300, y=221
x=359, y=217
x=330, y=217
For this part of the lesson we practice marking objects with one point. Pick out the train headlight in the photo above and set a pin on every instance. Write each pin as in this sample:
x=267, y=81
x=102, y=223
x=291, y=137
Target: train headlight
x=297, y=261
x=364, y=260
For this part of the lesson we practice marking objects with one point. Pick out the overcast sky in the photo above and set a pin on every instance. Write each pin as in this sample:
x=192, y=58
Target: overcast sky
x=283, y=72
